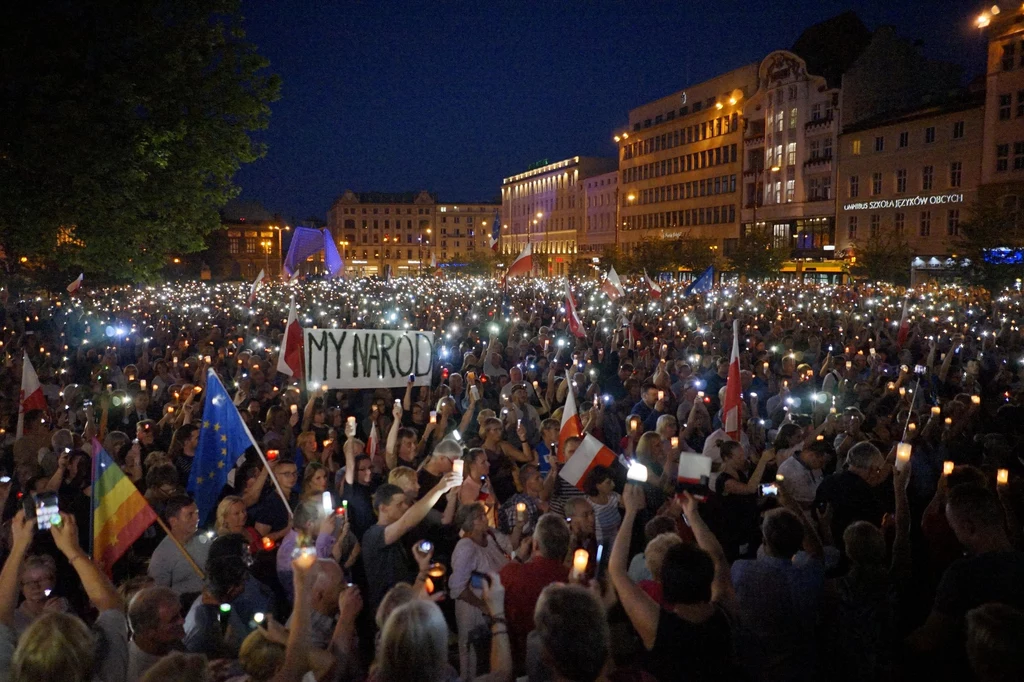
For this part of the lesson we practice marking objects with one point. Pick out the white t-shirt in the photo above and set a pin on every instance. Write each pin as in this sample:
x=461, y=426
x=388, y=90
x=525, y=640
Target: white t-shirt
x=801, y=483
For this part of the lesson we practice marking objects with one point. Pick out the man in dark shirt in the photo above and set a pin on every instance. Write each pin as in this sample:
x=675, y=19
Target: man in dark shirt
x=993, y=571
x=386, y=559
x=855, y=494
x=649, y=407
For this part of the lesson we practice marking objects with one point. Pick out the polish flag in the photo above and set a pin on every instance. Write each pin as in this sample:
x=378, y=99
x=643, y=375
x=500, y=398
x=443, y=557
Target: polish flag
x=571, y=423
x=373, y=442
x=523, y=265
x=901, y=335
x=255, y=287
x=74, y=286
x=575, y=325
x=612, y=286
x=732, y=406
x=694, y=470
x=589, y=454
x=289, y=361
x=32, y=397
x=652, y=286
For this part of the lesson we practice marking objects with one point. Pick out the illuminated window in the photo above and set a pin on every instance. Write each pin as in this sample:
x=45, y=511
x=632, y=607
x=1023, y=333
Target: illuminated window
x=792, y=118
x=791, y=154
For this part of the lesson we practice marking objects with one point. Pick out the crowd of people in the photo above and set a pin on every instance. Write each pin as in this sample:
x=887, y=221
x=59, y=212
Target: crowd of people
x=434, y=532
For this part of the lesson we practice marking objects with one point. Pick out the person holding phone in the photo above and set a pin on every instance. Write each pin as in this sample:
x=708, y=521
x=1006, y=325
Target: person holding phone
x=737, y=488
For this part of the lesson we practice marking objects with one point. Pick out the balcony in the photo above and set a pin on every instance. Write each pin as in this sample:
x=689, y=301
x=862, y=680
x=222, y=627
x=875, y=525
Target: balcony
x=818, y=164
x=819, y=125
x=754, y=141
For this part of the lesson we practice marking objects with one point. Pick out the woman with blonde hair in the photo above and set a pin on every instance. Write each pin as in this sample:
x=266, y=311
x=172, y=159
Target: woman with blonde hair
x=315, y=482
x=232, y=519
x=305, y=445
x=178, y=667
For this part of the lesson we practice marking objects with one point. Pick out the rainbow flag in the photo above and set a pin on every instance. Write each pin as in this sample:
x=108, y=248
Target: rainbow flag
x=120, y=514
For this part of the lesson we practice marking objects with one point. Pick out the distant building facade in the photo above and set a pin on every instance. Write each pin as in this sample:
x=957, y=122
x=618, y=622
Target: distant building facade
x=251, y=240
x=598, y=232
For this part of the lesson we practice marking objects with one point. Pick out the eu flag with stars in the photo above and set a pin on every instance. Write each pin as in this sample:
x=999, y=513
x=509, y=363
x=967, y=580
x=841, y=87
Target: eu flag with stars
x=703, y=283
x=223, y=438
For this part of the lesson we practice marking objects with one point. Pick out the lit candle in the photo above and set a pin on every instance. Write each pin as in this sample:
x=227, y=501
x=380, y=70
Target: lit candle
x=661, y=395
x=352, y=421
x=521, y=511
x=458, y=466
x=535, y=385
x=936, y=411
x=779, y=478
x=947, y=468
x=433, y=417
x=634, y=424
x=849, y=365
x=675, y=442
x=949, y=420
x=272, y=454
x=1002, y=476
x=976, y=399
x=580, y=559
x=903, y=391
x=142, y=384
x=911, y=427
x=902, y=455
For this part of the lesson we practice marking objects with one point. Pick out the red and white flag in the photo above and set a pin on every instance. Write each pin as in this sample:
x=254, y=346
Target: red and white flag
x=589, y=454
x=732, y=406
x=575, y=325
x=373, y=442
x=612, y=286
x=74, y=286
x=693, y=469
x=523, y=265
x=571, y=423
x=256, y=287
x=289, y=360
x=32, y=397
x=652, y=287
x=901, y=335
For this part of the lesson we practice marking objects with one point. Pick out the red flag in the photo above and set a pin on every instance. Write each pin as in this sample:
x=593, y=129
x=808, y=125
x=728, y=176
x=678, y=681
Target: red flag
x=373, y=442
x=589, y=454
x=612, y=286
x=901, y=336
x=571, y=423
x=652, y=287
x=575, y=325
x=73, y=287
x=32, y=397
x=256, y=287
x=732, y=407
x=289, y=361
x=523, y=265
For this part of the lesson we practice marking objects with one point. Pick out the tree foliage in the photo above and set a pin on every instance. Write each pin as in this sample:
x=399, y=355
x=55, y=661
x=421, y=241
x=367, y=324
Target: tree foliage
x=757, y=256
x=659, y=255
x=994, y=223
x=884, y=257
x=124, y=124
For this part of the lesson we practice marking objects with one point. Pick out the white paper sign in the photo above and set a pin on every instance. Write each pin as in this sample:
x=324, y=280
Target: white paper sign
x=367, y=358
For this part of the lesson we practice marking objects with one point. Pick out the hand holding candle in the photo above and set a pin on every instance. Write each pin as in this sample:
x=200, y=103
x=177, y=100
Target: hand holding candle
x=580, y=559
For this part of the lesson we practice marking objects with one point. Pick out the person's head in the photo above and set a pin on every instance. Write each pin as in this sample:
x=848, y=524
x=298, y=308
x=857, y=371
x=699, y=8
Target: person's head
x=154, y=615
x=571, y=445
x=625, y=371
x=654, y=554
x=865, y=545
x=364, y=469
x=163, y=478
x=667, y=426
x=225, y=577
x=314, y=479
x=260, y=657
x=178, y=667
x=445, y=452
x=55, y=646
x=406, y=479
x=573, y=632
x=865, y=460
x=815, y=455
x=649, y=393
x=491, y=429
x=551, y=537
x=649, y=448
x=994, y=635
x=471, y=519
x=783, y=533
x=414, y=644
x=390, y=502
x=184, y=441
x=531, y=480
x=145, y=431
x=286, y=473
x=657, y=526
x=327, y=586
x=35, y=422
x=580, y=512
x=476, y=463
x=723, y=367
x=306, y=443
x=975, y=515
x=787, y=436
x=599, y=481
x=402, y=593
x=307, y=517
x=549, y=429
x=62, y=440
x=686, y=573
x=406, y=444
x=732, y=453
x=38, y=578
x=181, y=515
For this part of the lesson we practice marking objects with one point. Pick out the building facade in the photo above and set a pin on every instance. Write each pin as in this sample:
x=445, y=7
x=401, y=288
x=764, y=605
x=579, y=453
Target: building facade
x=545, y=206
x=681, y=161
x=251, y=240
x=790, y=131
x=913, y=175
x=598, y=232
x=1002, y=157
x=405, y=232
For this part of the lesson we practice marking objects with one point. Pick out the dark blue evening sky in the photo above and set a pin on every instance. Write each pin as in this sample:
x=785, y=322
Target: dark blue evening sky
x=453, y=96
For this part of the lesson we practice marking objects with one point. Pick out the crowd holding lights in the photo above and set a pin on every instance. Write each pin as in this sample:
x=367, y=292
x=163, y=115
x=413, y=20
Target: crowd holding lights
x=857, y=399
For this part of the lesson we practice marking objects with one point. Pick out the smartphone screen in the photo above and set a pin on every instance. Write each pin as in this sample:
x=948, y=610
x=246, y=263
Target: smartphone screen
x=769, y=489
x=477, y=580
x=46, y=508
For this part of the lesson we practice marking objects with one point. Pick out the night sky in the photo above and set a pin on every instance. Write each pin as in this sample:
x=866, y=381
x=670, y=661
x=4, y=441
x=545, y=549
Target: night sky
x=453, y=96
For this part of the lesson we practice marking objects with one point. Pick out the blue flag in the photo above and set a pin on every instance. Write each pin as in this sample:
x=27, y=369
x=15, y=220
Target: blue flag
x=222, y=440
x=702, y=283
x=495, y=231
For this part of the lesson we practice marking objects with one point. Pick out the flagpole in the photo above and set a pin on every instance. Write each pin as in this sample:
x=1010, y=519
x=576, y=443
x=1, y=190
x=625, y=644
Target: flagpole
x=273, y=478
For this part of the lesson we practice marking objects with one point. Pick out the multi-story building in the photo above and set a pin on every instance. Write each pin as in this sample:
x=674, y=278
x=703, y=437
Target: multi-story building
x=790, y=129
x=250, y=241
x=913, y=173
x=1002, y=156
x=406, y=231
x=681, y=160
x=598, y=232
x=545, y=206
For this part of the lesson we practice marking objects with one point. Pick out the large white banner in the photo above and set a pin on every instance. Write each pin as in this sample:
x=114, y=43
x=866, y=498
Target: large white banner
x=367, y=358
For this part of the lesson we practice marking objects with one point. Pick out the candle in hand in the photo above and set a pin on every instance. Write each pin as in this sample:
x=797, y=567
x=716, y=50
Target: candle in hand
x=521, y=511
x=902, y=455
x=1002, y=476
x=580, y=559
x=458, y=466
x=947, y=468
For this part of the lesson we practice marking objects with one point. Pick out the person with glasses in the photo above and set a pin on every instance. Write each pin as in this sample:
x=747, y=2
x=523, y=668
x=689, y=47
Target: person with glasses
x=38, y=581
x=270, y=517
x=357, y=484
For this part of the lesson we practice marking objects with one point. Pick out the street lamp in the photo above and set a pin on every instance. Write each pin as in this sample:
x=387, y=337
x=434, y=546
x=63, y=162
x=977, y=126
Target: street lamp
x=280, y=251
